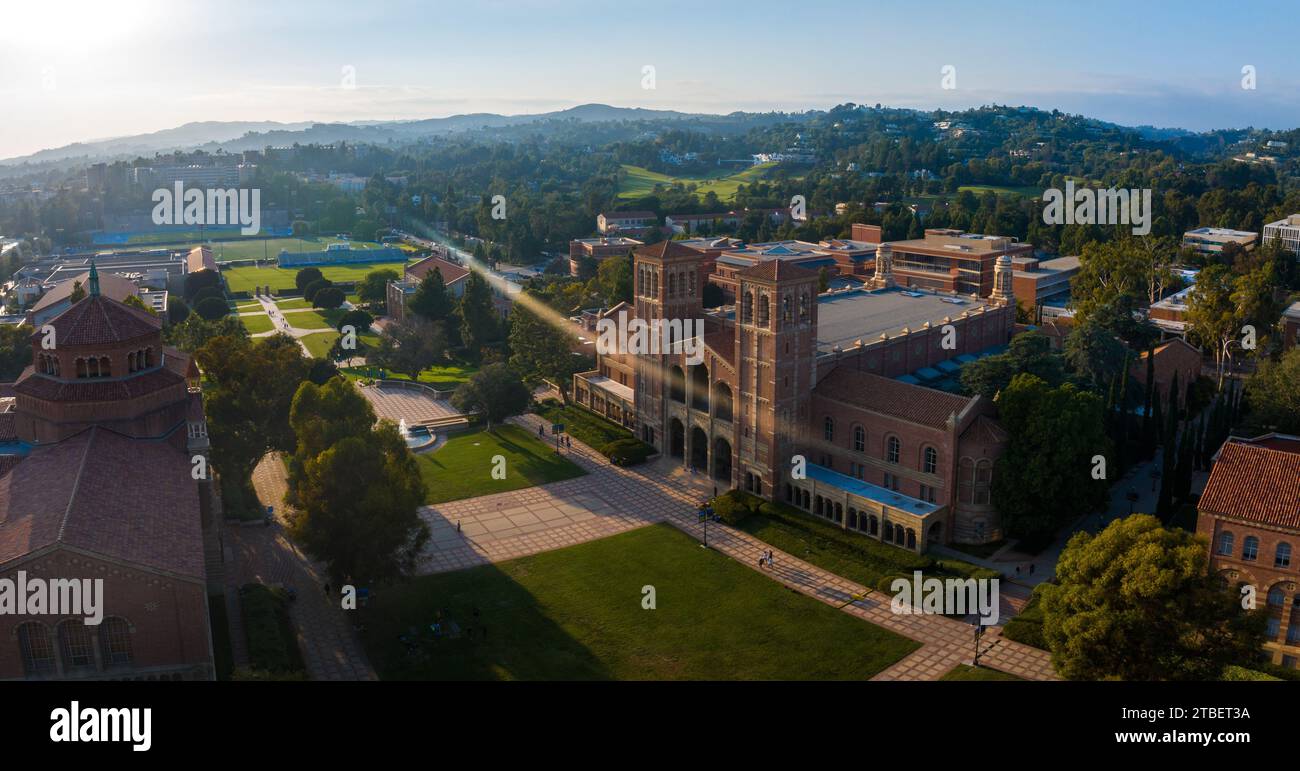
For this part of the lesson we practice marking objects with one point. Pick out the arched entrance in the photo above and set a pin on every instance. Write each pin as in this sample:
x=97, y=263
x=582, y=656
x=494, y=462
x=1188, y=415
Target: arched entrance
x=722, y=460
x=676, y=385
x=699, y=450
x=677, y=441
x=700, y=388
x=722, y=401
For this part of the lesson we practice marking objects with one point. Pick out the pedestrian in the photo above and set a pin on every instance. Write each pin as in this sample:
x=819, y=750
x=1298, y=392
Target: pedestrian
x=1031, y=568
x=761, y=558
x=458, y=526
x=769, y=558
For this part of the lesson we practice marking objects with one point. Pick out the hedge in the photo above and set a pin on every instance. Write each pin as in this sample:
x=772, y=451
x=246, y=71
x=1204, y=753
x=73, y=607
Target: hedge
x=626, y=452
x=604, y=436
x=272, y=644
x=735, y=506
x=890, y=558
x=1027, y=627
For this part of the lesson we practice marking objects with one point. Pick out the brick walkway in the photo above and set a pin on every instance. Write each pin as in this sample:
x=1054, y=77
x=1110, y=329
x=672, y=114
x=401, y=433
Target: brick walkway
x=617, y=499
x=329, y=645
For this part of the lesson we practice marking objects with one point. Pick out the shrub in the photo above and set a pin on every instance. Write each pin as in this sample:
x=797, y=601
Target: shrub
x=734, y=506
x=272, y=645
x=1027, y=627
x=626, y=452
x=309, y=292
x=359, y=319
x=887, y=557
x=328, y=297
x=966, y=570
x=212, y=308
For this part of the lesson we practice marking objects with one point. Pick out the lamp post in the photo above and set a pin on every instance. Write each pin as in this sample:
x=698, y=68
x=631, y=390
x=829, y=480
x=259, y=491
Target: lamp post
x=706, y=512
x=979, y=632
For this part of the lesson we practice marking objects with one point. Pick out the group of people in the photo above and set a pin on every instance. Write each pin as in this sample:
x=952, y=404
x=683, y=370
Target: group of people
x=561, y=441
x=765, y=559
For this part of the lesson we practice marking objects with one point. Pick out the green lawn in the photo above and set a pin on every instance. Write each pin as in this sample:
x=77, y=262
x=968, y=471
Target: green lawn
x=245, y=278
x=1025, y=190
x=308, y=320
x=588, y=428
x=292, y=303
x=255, y=324
x=965, y=673
x=640, y=181
x=443, y=378
x=576, y=614
x=269, y=248
x=462, y=467
x=320, y=343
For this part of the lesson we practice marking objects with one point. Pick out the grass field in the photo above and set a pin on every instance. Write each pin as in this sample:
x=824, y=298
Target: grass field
x=245, y=278
x=640, y=181
x=255, y=324
x=576, y=614
x=442, y=378
x=966, y=673
x=292, y=303
x=1026, y=190
x=269, y=248
x=309, y=320
x=462, y=468
x=320, y=343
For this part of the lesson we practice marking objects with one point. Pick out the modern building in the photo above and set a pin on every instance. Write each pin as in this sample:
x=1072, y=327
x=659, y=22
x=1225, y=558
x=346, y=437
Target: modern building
x=1043, y=282
x=1170, y=313
x=786, y=372
x=632, y=222
x=950, y=260
x=599, y=249
x=400, y=292
x=96, y=482
x=1210, y=241
x=840, y=256
x=1285, y=230
x=1250, y=514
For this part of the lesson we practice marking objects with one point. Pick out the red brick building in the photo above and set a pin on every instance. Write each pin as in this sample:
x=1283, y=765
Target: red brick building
x=787, y=373
x=98, y=449
x=1250, y=514
x=399, y=293
x=1177, y=356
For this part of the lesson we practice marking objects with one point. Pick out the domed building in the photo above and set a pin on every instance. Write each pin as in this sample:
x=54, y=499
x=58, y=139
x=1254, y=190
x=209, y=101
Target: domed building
x=103, y=454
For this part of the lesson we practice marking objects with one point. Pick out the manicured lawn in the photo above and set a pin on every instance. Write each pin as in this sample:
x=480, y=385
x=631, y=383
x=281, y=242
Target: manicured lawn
x=640, y=181
x=292, y=303
x=245, y=278
x=1025, y=190
x=982, y=550
x=443, y=378
x=462, y=468
x=965, y=673
x=269, y=248
x=588, y=428
x=320, y=343
x=576, y=614
x=258, y=323
x=308, y=320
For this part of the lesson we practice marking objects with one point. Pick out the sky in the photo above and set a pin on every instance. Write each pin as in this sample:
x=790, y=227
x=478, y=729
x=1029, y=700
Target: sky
x=76, y=70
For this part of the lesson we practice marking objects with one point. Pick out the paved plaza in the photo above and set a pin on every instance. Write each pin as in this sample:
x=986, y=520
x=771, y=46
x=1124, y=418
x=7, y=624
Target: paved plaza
x=414, y=404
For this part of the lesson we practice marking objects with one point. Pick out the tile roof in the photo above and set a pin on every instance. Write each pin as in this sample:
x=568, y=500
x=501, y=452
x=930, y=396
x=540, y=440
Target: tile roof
x=915, y=404
x=451, y=272
x=1257, y=484
x=99, y=320
x=128, y=499
x=8, y=429
x=110, y=285
x=200, y=258
x=777, y=270
x=667, y=250
x=95, y=389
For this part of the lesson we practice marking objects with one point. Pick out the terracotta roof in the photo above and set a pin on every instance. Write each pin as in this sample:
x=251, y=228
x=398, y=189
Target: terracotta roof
x=667, y=250
x=984, y=428
x=915, y=404
x=98, y=320
x=1257, y=484
x=96, y=389
x=777, y=270
x=723, y=344
x=8, y=429
x=128, y=499
x=200, y=258
x=110, y=285
x=451, y=272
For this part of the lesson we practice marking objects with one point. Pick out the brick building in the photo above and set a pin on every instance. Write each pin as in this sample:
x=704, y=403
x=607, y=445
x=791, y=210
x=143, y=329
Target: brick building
x=1176, y=356
x=1250, y=514
x=598, y=249
x=949, y=260
x=400, y=292
x=97, y=453
x=787, y=372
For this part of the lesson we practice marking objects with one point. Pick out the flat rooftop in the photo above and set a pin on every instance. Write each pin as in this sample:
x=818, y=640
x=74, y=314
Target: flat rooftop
x=1052, y=267
x=871, y=492
x=844, y=317
x=1221, y=233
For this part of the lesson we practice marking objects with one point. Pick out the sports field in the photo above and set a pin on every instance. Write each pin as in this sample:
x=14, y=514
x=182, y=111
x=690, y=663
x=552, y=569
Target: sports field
x=639, y=181
x=246, y=277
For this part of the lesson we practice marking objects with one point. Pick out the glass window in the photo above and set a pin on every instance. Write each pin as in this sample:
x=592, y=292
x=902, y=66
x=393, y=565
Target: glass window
x=1250, y=548
x=893, y=448
x=1226, y=543
x=931, y=460
x=1282, y=557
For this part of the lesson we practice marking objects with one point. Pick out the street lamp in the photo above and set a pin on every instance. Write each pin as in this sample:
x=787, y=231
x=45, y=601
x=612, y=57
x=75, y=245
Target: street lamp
x=706, y=513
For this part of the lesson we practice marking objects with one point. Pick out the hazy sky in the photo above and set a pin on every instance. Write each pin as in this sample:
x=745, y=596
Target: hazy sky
x=74, y=70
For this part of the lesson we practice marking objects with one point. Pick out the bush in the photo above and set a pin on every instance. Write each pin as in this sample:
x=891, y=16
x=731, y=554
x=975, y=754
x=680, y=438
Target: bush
x=328, y=297
x=212, y=308
x=627, y=452
x=307, y=276
x=1027, y=627
x=272, y=645
x=734, y=506
x=177, y=310
x=966, y=570
x=309, y=292
x=358, y=319
x=889, y=558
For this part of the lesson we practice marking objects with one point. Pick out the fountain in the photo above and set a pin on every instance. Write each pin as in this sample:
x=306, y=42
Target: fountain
x=417, y=438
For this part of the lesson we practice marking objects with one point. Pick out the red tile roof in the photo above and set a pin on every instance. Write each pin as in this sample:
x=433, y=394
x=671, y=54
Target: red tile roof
x=1257, y=484
x=95, y=389
x=777, y=270
x=98, y=320
x=668, y=250
x=8, y=431
x=128, y=499
x=451, y=272
x=886, y=396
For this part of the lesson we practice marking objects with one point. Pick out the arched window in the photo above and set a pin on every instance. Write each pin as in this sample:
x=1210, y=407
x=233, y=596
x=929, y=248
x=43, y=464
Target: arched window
x=930, y=460
x=1250, y=548
x=115, y=641
x=764, y=310
x=966, y=480
x=105, y=367
x=873, y=524
x=859, y=439
x=1282, y=556
x=677, y=384
x=691, y=277
x=722, y=401
x=747, y=308
x=130, y=362
x=983, y=481
x=828, y=428
x=803, y=307
x=672, y=284
x=36, y=647
x=785, y=308
x=1226, y=543
x=81, y=368
x=75, y=646
x=911, y=538
x=1276, y=597
x=57, y=368
x=893, y=449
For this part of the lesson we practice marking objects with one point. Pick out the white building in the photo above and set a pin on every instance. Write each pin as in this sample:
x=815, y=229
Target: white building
x=1288, y=230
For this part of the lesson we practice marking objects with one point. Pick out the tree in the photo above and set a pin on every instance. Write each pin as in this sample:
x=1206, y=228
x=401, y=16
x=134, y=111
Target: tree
x=1136, y=602
x=613, y=281
x=1044, y=478
x=135, y=302
x=1108, y=271
x=1094, y=353
x=431, y=300
x=329, y=298
x=358, y=319
x=823, y=279
x=1273, y=394
x=177, y=310
x=309, y=293
x=540, y=351
x=204, y=279
x=410, y=347
x=495, y=392
x=373, y=289
x=356, y=485
x=78, y=293
x=212, y=308
x=195, y=331
x=1030, y=352
x=1211, y=313
x=305, y=277
x=15, y=351
x=480, y=324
